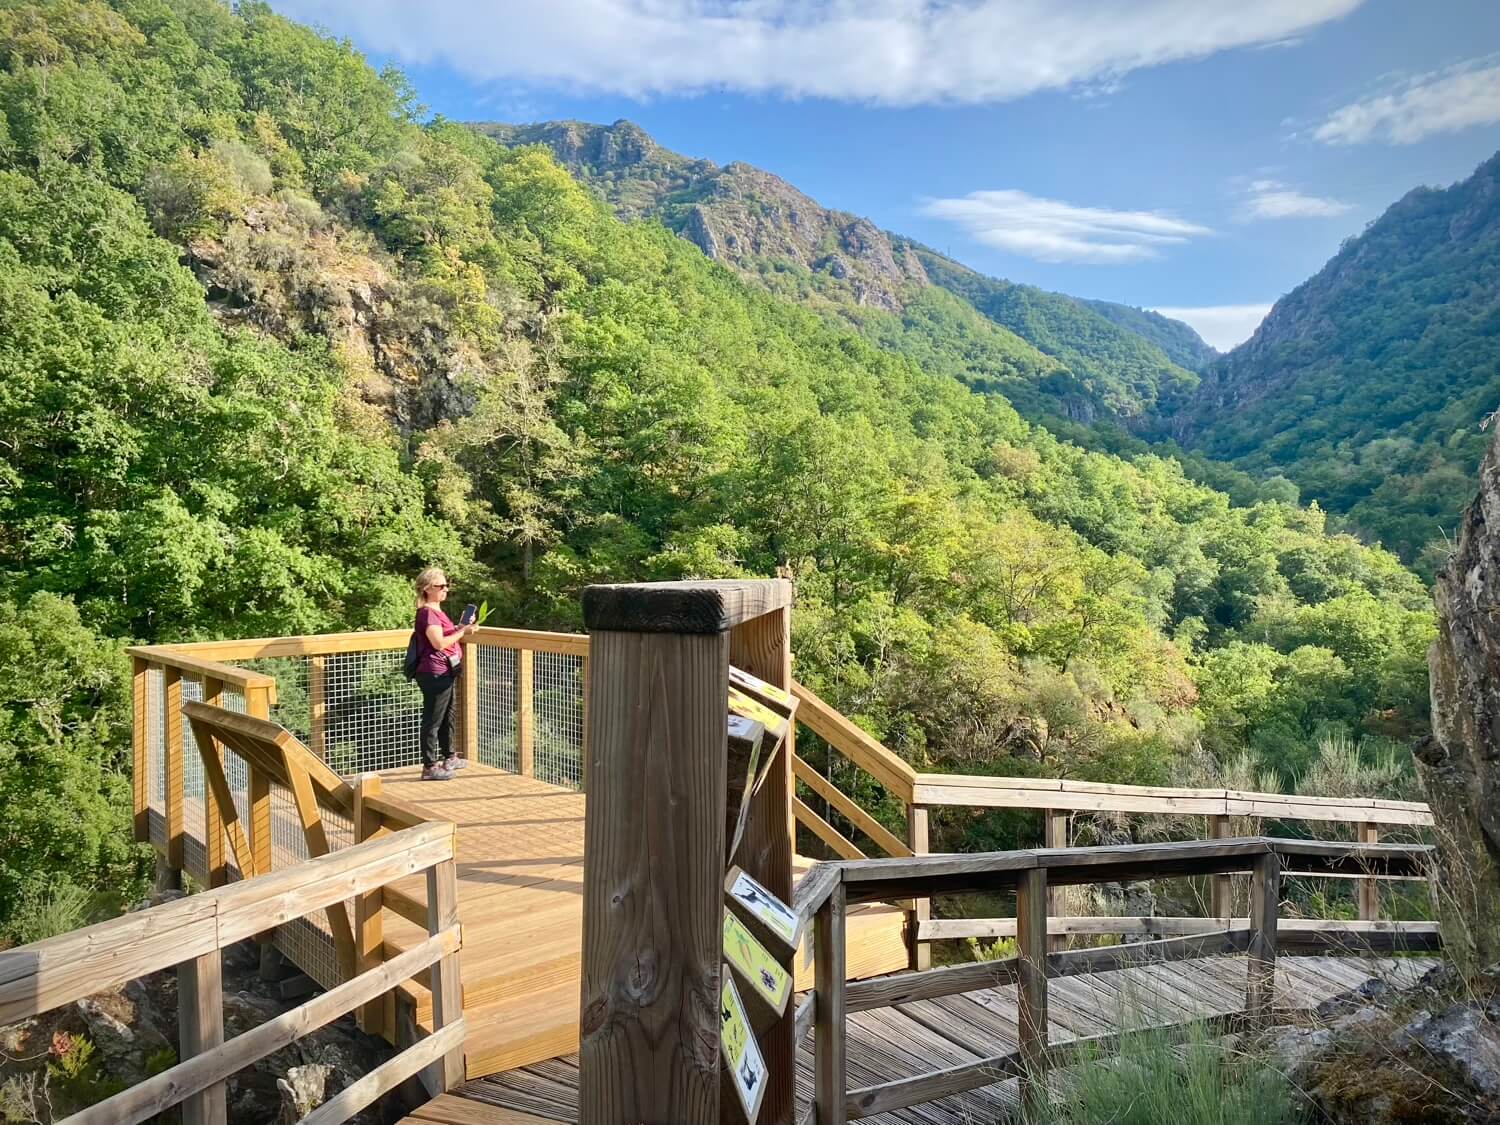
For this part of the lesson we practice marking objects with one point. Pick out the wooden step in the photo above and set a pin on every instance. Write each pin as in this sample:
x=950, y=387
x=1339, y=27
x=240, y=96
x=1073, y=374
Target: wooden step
x=520, y=1030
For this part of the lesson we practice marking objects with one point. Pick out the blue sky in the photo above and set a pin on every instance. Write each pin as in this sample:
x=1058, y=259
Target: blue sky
x=1191, y=155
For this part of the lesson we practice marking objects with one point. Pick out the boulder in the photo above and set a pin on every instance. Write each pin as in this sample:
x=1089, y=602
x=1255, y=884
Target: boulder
x=1457, y=763
x=303, y=1089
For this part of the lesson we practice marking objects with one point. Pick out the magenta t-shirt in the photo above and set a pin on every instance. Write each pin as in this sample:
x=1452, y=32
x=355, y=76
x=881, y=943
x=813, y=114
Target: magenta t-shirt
x=433, y=662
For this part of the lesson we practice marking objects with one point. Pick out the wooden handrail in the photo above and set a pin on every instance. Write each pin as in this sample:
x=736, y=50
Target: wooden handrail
x=855, y=744
x=191, y=933
x=830, y=887
x=978, y=791
x=47, y=974
x=201, y=667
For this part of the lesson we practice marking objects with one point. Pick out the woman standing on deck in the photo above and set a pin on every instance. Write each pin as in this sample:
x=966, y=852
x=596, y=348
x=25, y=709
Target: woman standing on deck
x=438, y=668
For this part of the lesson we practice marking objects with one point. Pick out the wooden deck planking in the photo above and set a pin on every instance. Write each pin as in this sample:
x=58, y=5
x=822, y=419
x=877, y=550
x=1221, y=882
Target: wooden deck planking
x=520, y=900
x=923, y=1035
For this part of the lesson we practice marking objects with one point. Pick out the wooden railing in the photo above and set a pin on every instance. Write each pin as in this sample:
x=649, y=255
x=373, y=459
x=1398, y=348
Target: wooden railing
x=192, y=932
x=824, y=894
x=1058, y=801
x=521, y=706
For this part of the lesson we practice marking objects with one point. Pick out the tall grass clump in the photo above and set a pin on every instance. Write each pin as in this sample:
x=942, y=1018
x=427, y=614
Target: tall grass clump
x=1185, y=1076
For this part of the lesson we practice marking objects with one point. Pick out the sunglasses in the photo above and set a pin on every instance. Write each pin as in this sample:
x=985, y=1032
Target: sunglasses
x=438, y=586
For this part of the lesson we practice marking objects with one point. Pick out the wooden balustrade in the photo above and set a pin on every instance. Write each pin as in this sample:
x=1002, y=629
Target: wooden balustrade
x=825, y=893
x=191, y=933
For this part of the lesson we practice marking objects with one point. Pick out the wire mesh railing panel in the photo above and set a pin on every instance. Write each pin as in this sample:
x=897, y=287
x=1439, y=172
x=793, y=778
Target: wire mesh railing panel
x=194, y=816
x=237, y=773
x=496, y=691
x=372, y=714
x=292, y=708
x=308, y=941
x=557, y=709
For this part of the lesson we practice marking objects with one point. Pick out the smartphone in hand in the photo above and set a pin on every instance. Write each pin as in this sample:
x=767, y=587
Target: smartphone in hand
x=468, y=615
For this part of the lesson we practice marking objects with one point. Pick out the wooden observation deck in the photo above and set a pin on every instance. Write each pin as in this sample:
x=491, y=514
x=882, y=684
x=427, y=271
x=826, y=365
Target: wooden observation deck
x=523, y=980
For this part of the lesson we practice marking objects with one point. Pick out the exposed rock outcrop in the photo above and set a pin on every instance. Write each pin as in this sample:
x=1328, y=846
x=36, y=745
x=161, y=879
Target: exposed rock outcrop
x=1459, y=763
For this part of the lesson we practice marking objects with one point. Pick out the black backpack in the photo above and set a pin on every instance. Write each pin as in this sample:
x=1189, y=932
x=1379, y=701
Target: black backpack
x=413, y=658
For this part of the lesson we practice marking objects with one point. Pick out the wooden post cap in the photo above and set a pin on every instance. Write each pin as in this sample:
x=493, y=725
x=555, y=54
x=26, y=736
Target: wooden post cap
x=681, y=607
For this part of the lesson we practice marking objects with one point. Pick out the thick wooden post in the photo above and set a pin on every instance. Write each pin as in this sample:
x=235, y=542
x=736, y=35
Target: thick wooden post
x=654, y=835
x=317, y=703
x=583, y=686
x=830, y=1083
x=369, y=928
x=215, y=857
x=140, y=748
x=1368, y=888
x=172, y=764
x=762, y=646
x=525, y=719
x=918, y=952
x=1055, y=830
x=447, y=987
x=1031, y=976
x=1265, y=902
x=1223, y=885
x=467, y=745
x=200, y=1023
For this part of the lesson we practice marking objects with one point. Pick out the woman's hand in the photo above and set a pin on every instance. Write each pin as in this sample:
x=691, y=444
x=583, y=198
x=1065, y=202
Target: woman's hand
x=471, y=628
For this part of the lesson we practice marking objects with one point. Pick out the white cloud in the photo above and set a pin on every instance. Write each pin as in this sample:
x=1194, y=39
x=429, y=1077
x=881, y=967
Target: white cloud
x=1050, y=230
x=1272, y=199
x=1223, y=326
x=1442, y=101
x=899, y=52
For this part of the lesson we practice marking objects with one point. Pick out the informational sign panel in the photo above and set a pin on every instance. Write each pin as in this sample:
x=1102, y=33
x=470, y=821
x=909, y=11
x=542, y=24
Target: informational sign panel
x=742, y=1057
x=755, y=964
x=774, y=914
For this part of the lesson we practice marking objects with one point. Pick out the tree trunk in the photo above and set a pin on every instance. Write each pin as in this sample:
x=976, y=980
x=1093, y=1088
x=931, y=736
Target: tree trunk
x=1459, y=763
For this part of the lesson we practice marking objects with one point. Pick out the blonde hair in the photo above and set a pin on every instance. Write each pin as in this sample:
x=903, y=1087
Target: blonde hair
x=426, y=579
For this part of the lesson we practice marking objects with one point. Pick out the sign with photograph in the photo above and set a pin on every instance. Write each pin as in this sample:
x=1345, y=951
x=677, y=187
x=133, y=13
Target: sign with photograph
x=774, y=914
x=755, y=964
x=747, y=1066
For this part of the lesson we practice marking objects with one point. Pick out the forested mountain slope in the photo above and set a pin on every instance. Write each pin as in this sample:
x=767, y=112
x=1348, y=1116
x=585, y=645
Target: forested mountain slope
x=268, y=345
x=1081, y=359
x=1183, y=346
x=1367, y=384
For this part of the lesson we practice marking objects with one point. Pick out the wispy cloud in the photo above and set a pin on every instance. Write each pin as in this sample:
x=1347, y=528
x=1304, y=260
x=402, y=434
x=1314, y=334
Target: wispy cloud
x=1050, y=230
x=1223, y=326
x=898, y=52
x=1272, y=199
x=1442, y=101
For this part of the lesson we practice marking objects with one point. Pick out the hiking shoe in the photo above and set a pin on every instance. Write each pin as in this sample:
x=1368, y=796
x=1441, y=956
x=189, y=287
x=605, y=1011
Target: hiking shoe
x=437, y=773
x=455, y=763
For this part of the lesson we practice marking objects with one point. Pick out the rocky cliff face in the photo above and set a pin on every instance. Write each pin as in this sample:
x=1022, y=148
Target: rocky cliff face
x=737, y=214
x=1460, y=762
x=1111, y=359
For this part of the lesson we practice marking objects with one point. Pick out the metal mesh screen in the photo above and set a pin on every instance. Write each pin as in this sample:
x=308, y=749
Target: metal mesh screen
x=307, y=941
x=290, y=673
x=557, y=706
x=496, y=669
x=194, y=816
x=373, y=715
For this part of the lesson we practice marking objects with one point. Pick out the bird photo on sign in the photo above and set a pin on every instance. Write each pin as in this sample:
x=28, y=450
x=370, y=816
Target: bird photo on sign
x=765, y=906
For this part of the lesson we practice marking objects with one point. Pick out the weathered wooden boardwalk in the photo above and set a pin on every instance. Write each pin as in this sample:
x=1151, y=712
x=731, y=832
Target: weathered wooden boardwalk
x=927, y=1035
